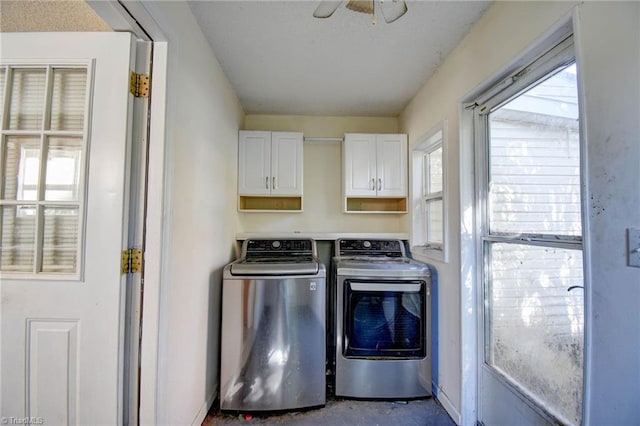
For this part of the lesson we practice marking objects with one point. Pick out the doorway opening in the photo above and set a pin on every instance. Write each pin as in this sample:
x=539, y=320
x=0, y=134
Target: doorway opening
x=529, y=243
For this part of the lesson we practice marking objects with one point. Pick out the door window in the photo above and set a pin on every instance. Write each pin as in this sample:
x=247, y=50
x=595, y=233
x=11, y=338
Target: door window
x=532, y=235
x=42, y=155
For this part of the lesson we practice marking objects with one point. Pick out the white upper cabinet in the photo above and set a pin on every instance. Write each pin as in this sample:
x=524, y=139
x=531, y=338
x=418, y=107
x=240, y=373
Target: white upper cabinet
x=375, y=165
x=270, y=163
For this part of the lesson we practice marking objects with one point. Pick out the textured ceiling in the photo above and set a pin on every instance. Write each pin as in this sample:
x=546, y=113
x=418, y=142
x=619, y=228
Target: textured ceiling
x=282, y=60
x=49, y=15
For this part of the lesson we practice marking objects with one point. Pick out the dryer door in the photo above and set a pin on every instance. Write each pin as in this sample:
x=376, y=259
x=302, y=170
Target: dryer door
x=385, y=319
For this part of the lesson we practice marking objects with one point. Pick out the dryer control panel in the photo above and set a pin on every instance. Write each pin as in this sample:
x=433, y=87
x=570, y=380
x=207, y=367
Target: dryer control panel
x=362, y=247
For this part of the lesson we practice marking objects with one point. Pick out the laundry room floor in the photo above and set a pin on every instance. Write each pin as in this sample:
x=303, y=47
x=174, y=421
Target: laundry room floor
x=423, y=412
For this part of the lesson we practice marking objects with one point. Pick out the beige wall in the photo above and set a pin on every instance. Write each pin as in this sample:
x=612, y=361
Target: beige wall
x=202, y=126
x=322, y=177
x=202, y=120
x=503, y=32
x=607, y=40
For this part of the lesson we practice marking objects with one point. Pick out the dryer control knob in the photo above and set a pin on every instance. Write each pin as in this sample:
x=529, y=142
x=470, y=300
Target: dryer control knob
x=367, y=244
x=275, y=244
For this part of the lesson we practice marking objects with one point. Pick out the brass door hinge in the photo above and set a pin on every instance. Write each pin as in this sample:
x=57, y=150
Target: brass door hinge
x=131, y=261
x=139, y=85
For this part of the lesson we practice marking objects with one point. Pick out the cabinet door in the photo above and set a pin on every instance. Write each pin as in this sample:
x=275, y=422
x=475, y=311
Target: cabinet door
x=391, y=179
x=360, y=165
x=286, y=163
x=254, y=163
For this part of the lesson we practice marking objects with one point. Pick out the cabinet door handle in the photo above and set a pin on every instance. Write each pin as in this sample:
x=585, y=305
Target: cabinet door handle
x=266, y=182
x=373, y=184
x=379, y=184
x=273, y=182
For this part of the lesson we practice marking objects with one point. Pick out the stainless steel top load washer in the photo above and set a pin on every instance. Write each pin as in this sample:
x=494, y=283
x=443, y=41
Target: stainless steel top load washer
x=383, y=327
x=273, y=327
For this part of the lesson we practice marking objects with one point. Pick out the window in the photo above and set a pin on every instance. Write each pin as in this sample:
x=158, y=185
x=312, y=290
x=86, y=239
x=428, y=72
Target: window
x=529, y=174
x=432, y=189
x=43, y=143
x=429, y=189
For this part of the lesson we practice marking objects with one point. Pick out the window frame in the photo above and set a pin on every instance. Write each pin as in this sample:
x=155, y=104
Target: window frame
x=431, y=141
x=558, y=57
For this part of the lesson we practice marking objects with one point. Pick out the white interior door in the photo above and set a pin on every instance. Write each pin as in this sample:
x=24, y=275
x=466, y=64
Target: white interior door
x=64, y=212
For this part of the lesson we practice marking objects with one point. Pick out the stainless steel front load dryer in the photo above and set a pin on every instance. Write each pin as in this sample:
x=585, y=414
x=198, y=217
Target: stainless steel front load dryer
x=273, y=327
x=383, y=327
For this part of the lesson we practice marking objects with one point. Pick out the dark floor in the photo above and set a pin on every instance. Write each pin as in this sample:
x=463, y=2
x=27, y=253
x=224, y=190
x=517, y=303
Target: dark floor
x=423, y=412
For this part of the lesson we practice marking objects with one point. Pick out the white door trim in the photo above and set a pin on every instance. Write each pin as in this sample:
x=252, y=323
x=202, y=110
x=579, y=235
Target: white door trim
x=156, y=271
x=133, y=16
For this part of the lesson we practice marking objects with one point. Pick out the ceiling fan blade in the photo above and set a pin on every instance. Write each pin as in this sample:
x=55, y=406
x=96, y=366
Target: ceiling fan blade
x=393, y=9
x=326, y=8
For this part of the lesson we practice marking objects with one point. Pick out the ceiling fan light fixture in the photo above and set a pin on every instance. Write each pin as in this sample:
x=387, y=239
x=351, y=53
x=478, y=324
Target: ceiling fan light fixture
x=362, y=6
x=391, y=10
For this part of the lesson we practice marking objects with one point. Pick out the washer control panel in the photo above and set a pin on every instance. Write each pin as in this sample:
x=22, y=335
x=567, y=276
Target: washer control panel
x=268, y=245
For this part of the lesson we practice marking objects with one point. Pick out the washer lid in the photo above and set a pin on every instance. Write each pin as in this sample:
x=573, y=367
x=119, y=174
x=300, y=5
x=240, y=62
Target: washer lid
x=275, y=266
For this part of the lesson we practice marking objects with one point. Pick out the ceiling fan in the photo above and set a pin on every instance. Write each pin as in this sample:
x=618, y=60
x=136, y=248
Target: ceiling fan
x=391, y=9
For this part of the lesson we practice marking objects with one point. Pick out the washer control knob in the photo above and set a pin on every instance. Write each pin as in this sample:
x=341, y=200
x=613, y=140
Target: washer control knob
x=275, y=244
x=367, y=244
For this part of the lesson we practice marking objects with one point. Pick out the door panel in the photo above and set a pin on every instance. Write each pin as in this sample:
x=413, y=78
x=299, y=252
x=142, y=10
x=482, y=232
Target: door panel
x=360, y=164
x=254, y=167
x=392, y=165
x=501, y=405
x=53, y=370
x=286, y=163
x=62, y=304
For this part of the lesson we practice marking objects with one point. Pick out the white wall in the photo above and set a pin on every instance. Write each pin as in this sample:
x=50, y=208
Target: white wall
x=322, y=177
x=608, y=49
x=200, y=221
x=608, y=43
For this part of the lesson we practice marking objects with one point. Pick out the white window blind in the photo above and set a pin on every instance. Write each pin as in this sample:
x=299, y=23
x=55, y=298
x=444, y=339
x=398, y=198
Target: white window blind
x=68, y=99
x=26, y=105
x=43, y=155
